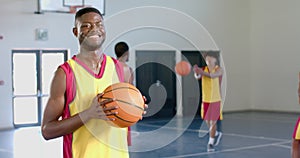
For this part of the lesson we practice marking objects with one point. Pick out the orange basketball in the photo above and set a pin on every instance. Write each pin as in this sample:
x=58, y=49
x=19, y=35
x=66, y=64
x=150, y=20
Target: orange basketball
x=129, y=100
x=183, y=68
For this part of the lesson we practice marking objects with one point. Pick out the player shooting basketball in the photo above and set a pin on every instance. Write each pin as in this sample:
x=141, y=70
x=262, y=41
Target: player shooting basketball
x=211, y=110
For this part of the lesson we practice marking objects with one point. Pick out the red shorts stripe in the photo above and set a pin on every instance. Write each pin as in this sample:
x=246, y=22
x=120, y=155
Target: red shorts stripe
x=211, y=111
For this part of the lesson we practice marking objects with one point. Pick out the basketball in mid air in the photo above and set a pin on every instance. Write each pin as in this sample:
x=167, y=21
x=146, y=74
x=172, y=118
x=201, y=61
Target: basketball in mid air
x=183, y=68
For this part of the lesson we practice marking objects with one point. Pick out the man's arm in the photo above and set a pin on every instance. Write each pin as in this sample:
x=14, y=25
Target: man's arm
x=131, y=78
x=196, y=70
x=52, y=125
x=218, y=73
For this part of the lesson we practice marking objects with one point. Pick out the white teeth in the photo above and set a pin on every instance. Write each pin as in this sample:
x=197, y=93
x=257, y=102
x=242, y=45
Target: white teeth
x=94, y=36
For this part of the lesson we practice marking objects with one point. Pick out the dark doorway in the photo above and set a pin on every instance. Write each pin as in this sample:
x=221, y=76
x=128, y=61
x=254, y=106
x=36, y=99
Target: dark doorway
x=192, y=101
x=156, y=80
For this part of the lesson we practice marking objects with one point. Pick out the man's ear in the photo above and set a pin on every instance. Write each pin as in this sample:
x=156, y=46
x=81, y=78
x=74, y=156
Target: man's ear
x=75, y=31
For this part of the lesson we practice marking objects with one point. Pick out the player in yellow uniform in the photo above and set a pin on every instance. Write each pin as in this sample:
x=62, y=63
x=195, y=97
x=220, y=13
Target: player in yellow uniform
x=73, y=110
x=211, y=110
x=296, y=134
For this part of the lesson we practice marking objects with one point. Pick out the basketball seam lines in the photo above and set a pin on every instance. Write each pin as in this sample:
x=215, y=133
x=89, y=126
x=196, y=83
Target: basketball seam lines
x=121, y=88
x=131, y=104
x=125, y=103
x=122, y=119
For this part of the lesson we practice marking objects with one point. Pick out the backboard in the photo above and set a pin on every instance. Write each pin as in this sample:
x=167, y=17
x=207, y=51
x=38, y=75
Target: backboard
x=66, y=6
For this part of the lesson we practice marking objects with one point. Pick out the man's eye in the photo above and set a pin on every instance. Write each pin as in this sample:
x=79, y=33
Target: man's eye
x=98, y=24
x=85, y=26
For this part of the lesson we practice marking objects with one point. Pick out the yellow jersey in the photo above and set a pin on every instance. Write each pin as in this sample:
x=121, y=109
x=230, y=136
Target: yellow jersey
x=211, y=91
x=96, y=138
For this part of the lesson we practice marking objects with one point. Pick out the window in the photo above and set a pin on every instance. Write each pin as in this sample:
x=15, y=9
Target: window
x=32, y=72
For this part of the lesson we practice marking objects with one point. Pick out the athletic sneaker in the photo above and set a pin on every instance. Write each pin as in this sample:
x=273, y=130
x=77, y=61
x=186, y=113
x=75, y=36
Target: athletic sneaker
x=210, y=148
x=218, y=138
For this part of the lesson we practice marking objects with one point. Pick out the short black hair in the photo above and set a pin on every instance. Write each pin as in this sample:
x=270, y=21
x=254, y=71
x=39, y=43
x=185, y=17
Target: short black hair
x=211, y=53
x=121, y=48
x=85, y=10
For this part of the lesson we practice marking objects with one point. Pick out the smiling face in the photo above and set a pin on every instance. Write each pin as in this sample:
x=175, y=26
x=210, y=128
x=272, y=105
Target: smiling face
x=90, y=31
x=210, y=60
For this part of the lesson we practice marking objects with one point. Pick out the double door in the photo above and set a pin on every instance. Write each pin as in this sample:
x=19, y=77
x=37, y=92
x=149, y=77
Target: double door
x=32, y=73
x=156, y=79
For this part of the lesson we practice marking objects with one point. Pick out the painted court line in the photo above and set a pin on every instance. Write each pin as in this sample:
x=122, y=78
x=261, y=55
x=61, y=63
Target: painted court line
x=254, y=137
x=277, y=120
x=224, y=134
x=230, y=150
x=283, y=146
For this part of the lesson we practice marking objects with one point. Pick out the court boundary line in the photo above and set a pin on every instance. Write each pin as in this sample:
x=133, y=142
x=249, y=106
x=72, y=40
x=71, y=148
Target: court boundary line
x=229, y=150
x=283, y=146
x=282, y=119
x=261, y=119
x=224, y=134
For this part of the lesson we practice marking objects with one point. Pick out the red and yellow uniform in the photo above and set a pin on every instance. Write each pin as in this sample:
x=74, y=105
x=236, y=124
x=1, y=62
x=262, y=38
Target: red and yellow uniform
x=296, y=134
x=96, y=138
x=211, y=97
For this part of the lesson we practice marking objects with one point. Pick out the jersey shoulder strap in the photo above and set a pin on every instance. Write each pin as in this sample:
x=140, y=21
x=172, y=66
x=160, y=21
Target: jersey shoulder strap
x=119, y=69
x=70, y=84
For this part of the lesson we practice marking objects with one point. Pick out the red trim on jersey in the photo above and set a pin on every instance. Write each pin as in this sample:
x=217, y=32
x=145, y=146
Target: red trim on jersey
x=69, y=97
x=296, y=128
x=119, y=69
x=101, y=72
x=129, y=136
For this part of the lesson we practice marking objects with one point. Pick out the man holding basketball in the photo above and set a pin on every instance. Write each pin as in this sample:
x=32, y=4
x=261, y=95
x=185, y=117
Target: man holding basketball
x=73, y=110
x=211, y=96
